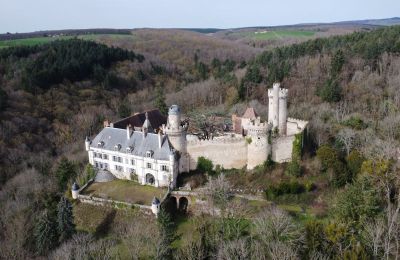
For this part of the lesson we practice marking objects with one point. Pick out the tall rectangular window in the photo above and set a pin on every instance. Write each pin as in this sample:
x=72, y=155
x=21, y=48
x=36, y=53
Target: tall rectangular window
x=148, y=165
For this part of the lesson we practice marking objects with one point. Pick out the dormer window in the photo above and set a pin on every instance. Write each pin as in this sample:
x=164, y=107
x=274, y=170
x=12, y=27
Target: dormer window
x=100, y=144
x=129, y=149
x=149, y=154
x=117, y=147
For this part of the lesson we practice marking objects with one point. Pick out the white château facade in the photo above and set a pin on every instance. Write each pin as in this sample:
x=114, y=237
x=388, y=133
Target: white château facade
x=157, y=158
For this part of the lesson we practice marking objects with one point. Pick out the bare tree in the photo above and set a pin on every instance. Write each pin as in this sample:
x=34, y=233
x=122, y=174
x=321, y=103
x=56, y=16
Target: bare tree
x=235, y=249
x=275, y=226
x=347, y=137
x=218, y=191
x=279, y=250
x=342, y=109
x=373, y=235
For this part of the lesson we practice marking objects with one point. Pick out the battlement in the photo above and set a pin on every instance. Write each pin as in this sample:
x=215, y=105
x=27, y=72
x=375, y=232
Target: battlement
x=283, y=93
x=219, y=140
x=295, y=120
x=169, y=129
x=295, y=126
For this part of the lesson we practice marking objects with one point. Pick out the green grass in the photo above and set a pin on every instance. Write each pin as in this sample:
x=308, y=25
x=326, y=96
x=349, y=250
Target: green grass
x=43, y=40
x=271, y=35
x=31, y=41
x=127, y=191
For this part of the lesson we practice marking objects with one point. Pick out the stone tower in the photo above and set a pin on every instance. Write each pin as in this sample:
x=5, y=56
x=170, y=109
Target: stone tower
x=277, y=108
x=259, y=147
x=177, y=136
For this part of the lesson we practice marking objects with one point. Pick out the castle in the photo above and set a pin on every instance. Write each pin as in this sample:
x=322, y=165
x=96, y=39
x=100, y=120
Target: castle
x=158, y=151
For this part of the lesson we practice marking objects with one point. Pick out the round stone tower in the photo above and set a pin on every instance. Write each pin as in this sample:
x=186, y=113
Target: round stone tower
x=155, y=206
x=259, y=147
x=283, y=93
x=177, y=136
x=75, y=191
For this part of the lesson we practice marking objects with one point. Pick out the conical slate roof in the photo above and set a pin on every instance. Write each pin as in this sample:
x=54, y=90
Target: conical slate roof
x=155, y=201
x=75, y=186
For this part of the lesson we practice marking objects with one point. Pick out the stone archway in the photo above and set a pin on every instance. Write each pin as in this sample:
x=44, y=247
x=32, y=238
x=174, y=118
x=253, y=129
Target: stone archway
x=183, y=204
x=150, y=179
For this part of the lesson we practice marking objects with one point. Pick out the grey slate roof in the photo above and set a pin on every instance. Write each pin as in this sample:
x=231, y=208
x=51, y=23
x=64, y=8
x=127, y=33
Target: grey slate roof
x=174, y=110
x=114, y=136
x=104, y=176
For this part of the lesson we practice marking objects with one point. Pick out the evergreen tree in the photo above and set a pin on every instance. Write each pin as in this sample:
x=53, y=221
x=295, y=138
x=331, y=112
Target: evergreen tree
x=331, y=91
x=124, y=110
x=337, y=63
x=65, y=171
x=166, y=227
x=160, y=102
x=3, y=99
x=65, y=219
x=45, y=233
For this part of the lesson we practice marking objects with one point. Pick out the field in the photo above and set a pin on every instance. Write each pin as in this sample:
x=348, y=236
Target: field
x=271, y=35
x=43, y=40
x=126, y=191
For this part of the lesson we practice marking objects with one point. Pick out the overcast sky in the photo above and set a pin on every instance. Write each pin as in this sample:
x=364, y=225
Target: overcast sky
x=34, y=15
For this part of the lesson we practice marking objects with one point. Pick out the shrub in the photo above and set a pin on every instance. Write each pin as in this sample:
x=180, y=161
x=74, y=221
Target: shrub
x=354, y=162
x=205, y=165
x=293, y=169
x=284, y=187
x=327, y=156
x=355, y=122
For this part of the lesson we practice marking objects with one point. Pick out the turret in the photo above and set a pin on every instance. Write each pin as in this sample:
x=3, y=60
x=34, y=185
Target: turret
x=174, y=117
x=277, y=108
x=283, y=111
x=87, y=144
x=174, y=130
x=155, y=206
x=177, y=136
x=259, y=147
x=275, y=104
x=75, y=191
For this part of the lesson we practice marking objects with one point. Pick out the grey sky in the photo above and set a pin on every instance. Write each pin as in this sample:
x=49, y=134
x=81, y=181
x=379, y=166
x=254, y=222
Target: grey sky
x=33, y=15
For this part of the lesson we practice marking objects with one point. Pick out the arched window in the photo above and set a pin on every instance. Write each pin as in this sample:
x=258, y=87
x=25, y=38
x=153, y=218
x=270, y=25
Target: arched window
x=117, y=147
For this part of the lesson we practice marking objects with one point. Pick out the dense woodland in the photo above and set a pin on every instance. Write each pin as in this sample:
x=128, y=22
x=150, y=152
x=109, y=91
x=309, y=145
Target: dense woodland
x=348, y=87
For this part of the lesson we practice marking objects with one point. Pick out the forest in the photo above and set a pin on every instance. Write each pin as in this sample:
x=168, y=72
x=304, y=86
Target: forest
x=345, y=181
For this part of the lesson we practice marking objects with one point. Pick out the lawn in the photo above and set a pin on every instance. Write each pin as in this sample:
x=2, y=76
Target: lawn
x=127, y=191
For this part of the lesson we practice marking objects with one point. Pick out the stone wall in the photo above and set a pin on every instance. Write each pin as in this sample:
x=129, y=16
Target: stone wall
x=282, y=148
x=229, y=152
x=118, y=204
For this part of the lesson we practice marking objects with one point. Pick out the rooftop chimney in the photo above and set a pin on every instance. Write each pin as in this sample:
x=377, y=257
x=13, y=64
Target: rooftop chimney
x=128, y=131
x=159, y=140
